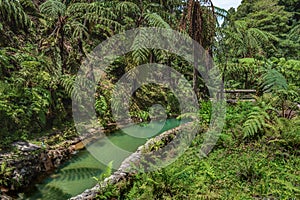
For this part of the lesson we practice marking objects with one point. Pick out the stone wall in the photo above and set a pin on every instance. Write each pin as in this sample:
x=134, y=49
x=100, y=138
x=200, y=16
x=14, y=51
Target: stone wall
x=25, y=166
x=30, y=160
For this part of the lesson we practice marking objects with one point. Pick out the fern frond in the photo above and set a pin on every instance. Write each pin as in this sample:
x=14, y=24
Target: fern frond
x=220, y=12
x=100, y=9
x=127, y=7
x=139, y=52
x=273, y=80
x=53, y=8
x=12, y=12
x=155, y=20
x=76, y=29
x=30, y=7
x=258, y=121
x=294, y=33
x=67, y=82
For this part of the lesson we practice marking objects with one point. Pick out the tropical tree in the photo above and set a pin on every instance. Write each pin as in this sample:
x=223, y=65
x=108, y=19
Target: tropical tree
x=268, y=16
x=199, y=21
x=69, y=24
x=247, y=42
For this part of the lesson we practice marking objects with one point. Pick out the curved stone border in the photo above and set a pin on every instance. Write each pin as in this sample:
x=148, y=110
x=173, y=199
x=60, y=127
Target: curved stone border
x=122, y=172
x=32, y=161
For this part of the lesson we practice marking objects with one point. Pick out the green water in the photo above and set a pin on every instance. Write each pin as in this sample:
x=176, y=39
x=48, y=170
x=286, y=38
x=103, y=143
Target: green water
x=76, y=175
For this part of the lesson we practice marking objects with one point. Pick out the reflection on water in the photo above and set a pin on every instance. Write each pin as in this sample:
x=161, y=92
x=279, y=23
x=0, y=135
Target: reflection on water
x=77, y=174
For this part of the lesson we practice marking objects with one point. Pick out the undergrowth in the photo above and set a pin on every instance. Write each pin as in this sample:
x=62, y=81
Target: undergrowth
x=243, y=172
x=260, y=165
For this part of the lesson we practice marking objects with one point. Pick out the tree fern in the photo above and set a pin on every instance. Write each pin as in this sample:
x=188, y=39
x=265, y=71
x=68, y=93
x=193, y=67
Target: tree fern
x=247, y=41
x=220, y=12
x=95, y=9
x=94, y=13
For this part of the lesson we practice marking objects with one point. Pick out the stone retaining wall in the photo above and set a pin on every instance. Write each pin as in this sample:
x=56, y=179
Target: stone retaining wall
x=32, y=160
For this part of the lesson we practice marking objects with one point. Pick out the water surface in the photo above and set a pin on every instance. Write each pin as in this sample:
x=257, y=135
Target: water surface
x=76, y=175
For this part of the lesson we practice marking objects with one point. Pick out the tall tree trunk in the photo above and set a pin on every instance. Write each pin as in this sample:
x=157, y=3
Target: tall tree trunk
x=193, y=18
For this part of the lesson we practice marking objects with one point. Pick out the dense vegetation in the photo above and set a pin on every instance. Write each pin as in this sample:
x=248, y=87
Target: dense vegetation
x=257, y=46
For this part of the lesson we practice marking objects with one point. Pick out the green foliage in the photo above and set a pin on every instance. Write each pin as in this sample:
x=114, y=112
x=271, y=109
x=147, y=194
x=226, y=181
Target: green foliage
x=67, y=81
x=127, y=7
x=27, y=95
x=239, y=172
x=205, y=114
x=103, y=110
x=246, y=41
x=140, y=53
x=273, y=80
x=140, y=115
x=13, y=14
x=154, y=20
x=105, y=174
x=5, y=173
x=256, y=122
x=290, y=69
x=250, y=171
x=53, y=9
x=268, y=30
x=105, y=190
x=43, y=43
x=290, y=133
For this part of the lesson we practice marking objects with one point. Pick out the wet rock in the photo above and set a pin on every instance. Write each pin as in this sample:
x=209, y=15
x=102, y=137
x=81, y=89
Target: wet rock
x=23, y=171
x=92, y=130
x=46, y=161
x=5, y=197
x=25, y=146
